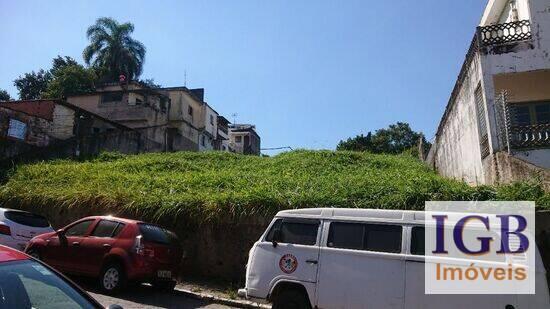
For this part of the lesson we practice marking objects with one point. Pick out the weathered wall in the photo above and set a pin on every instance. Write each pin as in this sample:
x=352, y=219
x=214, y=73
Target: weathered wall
x=63, y=122
x=37, y=128
x=456, y=152
x=220, y=250
x=504, y=168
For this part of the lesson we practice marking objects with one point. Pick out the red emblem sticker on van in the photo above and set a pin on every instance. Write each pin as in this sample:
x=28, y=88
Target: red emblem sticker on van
x=288, y=263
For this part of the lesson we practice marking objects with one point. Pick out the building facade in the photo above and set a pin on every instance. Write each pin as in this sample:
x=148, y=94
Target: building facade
x=222, y=141
x=132, y=105
x=244, y=139
x=496, y=126
x=55, y=128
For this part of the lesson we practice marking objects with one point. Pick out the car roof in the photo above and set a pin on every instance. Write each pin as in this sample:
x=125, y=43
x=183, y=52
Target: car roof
x=8, y=255
x=109, y=217
x=354, y=214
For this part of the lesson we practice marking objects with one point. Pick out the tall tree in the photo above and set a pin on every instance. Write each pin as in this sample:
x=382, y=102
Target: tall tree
x=59, y=62
x=70, y=79
x=32, y=85
x=395, y=139
x=113, y=51
x=4, y=95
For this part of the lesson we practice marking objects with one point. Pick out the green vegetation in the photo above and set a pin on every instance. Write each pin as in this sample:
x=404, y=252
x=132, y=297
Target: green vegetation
x=113, y=51
x=394, y=139
x=216, y=185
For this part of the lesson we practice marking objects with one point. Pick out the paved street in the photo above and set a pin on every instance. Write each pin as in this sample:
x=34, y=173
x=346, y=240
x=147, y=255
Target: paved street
x=146, y=297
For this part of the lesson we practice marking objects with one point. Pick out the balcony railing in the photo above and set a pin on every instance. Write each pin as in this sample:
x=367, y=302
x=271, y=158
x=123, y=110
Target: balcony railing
x=505, y=33
x=530, y=136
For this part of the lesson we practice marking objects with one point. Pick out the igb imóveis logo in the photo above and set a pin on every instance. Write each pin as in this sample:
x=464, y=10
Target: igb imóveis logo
x=480, y=248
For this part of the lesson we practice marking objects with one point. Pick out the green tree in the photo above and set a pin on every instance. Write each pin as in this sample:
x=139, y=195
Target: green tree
x=397, y=138
x=59, y=62
x=32, y=85
x=70, y=79
x=113, y=51
x=4, y=95
x=358, y=143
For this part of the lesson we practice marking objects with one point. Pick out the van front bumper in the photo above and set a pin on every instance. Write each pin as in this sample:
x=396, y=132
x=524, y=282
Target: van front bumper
x=242, y=293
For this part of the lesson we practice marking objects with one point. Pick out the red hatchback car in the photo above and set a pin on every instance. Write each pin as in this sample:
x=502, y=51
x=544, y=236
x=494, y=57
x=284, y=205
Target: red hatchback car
x=115, y=250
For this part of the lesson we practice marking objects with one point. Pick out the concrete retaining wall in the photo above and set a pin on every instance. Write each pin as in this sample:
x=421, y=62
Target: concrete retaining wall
x=219, y=250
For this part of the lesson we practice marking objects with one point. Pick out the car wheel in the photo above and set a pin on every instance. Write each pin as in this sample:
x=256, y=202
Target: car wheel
x=291, y=299
x=112, y=278
x=165, y=286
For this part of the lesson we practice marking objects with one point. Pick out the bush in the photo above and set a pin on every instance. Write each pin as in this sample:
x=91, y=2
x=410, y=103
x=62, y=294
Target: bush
x=217, y=185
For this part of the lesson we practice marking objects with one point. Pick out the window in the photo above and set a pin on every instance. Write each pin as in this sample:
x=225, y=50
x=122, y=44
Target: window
x=26, y=218
x=190, y=111
x=157, y=234
x=79, y=229
x=521, y=115
x=106, y=228
x=29, y=284
x=211, y=119
x=296, y=232
x=111, y=97
x=203, y=140
x=383, y=238
x=346, y=235
x=238, y=139
x=370, y=237
x=417, y=241
x=525, y=114
x=542, y=111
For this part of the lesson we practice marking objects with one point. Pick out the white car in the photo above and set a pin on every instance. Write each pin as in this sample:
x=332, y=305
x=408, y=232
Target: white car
x=18, y=227
x=357, y=258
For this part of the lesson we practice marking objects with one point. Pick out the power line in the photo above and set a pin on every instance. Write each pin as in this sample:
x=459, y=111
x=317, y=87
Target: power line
x=277, y=148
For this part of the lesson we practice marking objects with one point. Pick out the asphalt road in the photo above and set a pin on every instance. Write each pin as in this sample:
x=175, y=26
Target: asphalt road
x=145, y=297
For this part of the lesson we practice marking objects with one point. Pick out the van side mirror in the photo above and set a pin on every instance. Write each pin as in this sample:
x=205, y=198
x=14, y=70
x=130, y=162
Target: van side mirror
x=277, y=237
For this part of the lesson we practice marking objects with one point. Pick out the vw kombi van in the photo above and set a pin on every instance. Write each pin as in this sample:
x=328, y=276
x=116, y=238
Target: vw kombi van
x=357, y=258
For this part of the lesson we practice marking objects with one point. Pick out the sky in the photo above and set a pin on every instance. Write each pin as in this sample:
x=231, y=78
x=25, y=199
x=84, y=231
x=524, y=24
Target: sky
x=307, y=73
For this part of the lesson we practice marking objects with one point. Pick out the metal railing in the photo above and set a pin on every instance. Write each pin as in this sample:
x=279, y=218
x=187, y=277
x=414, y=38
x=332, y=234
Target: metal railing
x=530, y=136
x=505, y=33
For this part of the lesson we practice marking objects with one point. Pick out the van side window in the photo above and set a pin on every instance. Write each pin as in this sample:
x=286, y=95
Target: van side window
x=369, y=237
x=346, y=235
x=417, y=240
x=383, y=238
x=296, y=232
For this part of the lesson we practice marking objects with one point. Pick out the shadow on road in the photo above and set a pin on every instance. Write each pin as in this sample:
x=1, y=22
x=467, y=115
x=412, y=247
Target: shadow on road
x=140, y=296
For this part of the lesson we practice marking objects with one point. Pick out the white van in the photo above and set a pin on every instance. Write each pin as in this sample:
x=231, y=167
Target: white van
x=356, y=258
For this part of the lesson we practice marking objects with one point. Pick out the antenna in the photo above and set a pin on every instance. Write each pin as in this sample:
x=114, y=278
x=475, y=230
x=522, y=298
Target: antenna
x=234, y=115
x=185, y=78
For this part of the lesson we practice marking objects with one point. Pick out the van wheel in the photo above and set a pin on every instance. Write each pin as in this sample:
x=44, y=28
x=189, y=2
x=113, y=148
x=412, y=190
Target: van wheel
x=291, y=299
x=112, y=278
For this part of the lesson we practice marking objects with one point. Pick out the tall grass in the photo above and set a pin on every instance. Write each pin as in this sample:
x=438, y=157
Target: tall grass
x=216, y=185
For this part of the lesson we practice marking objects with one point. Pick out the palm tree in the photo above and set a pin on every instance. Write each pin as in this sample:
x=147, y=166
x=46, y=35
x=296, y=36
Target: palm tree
x=113, y=51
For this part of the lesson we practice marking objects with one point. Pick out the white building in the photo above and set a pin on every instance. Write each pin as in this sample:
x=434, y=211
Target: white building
x=496, y=126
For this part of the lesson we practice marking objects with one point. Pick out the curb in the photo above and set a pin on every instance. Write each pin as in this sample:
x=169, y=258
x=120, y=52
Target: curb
x=220, y=300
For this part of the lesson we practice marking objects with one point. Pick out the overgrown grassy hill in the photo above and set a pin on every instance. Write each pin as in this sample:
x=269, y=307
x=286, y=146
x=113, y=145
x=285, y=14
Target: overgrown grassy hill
x=219, y=185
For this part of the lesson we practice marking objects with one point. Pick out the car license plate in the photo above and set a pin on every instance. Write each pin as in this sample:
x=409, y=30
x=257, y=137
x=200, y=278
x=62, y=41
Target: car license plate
x=164, y=274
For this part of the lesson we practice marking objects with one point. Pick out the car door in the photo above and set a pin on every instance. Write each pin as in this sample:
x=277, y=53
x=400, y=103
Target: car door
x=295, y=254
x=64, y=248
x=98, y=244
x=415, y=296
x=361, y=266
